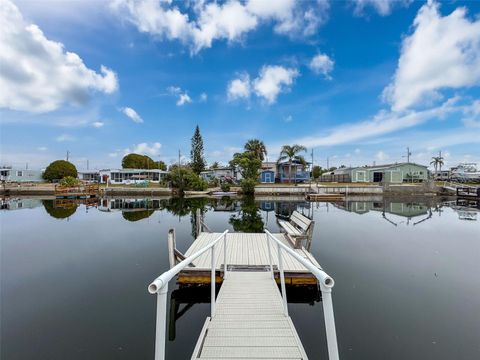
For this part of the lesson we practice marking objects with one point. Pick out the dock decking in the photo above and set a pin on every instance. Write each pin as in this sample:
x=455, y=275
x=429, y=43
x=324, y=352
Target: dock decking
x=246, y=251
x=249, y=322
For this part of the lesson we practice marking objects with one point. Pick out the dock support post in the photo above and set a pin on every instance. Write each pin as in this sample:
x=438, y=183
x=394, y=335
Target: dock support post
x=282, y=280
x=329, y=323
x=161, y=326
x=212, y=285
x=224, y=256
x=171, y=247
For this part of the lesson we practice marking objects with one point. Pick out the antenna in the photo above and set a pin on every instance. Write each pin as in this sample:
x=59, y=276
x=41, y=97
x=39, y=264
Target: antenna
x=408, y=154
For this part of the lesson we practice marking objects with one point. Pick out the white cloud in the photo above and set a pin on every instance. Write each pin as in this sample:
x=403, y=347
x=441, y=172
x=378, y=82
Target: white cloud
x=144, y=148
x=132, y=114
x=383, y=7
x=38, y=74
x=472, y=118
x=239, y=88
x=203, y=97
x=381, y=155
x=98, y=124
x=65, y=137
x=288, y=118
x=322, y=64
x=183, y=99
x=442, y=52
x=273, y=80
x=201, y=23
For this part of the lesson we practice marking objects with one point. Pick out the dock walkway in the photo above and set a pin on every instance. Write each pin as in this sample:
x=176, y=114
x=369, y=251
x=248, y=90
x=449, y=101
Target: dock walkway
x=249, y=322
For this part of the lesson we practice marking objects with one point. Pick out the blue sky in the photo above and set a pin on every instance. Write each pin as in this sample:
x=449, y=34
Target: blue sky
x=356, y=81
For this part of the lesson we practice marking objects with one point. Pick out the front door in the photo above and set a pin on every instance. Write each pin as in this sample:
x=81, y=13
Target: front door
x=377, y=176
x=268, y=177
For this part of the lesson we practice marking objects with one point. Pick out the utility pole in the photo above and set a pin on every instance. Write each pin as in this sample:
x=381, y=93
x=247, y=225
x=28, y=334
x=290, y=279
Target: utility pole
x=408, y=154
x=178, y=157
x=26, y=166
x=87, y=164
x=328, y=167
x=68, y=154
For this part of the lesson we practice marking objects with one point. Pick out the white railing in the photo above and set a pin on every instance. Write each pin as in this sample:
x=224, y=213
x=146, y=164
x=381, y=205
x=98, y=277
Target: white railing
x=326, y=285
x=159, y=286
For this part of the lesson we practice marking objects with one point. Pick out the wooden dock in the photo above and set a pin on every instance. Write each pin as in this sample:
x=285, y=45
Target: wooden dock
x=249, y=322
x=246, y=252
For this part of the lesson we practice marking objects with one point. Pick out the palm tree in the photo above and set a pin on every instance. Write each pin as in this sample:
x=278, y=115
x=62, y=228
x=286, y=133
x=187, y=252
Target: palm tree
x=291, y=153
x=257, y=148
x=437, y=161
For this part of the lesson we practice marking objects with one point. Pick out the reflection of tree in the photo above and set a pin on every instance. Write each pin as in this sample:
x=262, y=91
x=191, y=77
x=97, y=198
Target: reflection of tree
x=185, y=206
x=66, y=210
x=249, y=219
x=137, y=215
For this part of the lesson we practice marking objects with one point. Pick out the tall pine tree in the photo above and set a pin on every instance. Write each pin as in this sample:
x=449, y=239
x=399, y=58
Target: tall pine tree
x=196, y=153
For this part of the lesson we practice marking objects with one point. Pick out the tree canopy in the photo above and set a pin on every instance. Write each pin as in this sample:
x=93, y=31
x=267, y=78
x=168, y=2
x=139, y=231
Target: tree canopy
x=137, y=161
x=59, y=169
x=256, y=148
x=196, y=153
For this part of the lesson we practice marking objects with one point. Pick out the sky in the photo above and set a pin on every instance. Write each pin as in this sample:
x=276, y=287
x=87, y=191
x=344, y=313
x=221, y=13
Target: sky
x=356, y=82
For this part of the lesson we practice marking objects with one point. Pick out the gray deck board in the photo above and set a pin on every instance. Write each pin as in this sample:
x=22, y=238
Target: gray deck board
x=246, y=250
x=249, y=322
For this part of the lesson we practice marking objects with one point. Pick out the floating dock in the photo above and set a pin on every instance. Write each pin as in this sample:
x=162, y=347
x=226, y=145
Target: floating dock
x=249, y=322
x=245, y=252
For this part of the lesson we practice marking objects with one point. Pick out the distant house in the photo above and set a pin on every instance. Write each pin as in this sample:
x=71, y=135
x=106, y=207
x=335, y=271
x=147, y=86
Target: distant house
x=299, y=171
x=131, y=176
x=221, y=173
x=9, y=174
x=89, y=175
x=388, y=173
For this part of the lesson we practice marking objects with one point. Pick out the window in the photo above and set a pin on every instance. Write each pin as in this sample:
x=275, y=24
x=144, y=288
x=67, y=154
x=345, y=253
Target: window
x=19, y=173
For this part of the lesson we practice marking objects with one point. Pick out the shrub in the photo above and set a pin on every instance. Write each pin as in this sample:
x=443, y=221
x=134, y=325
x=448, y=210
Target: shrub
x=248, y=186
x=183, y=178
x=225, y=187
x=59, y=169
x=69, y=181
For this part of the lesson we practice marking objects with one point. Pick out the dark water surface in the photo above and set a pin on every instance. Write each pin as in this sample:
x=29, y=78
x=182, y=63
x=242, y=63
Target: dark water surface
x=74, y=278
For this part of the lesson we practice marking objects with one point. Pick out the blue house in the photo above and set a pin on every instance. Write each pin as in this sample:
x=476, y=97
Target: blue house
x=267, y=177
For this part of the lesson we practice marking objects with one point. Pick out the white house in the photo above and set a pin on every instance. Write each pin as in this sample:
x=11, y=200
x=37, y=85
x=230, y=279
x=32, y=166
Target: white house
x=131, y=176
x=10, y=174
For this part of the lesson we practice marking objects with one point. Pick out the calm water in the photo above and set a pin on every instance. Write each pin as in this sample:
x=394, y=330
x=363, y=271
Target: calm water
x=74, y=278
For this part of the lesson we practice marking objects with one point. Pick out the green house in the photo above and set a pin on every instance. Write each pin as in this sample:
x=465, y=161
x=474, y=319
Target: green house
x=390, y=173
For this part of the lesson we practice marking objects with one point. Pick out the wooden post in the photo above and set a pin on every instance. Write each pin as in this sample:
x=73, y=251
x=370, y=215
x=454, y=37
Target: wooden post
x=171, y=247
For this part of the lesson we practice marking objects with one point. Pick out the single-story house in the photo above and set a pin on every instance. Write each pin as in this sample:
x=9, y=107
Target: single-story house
x=89, y=175
x=388, y=173
x=268, y=172
x=9, y=174
x=131, y=176
x=221, y=173
x=299, y=171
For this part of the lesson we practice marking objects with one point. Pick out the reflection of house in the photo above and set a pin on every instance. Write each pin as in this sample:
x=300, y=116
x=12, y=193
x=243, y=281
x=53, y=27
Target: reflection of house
x=89, y=175
x=109, y=204
x=389, y=173
x=294, y=172
x=222, y=174
x=20, y=175
x=396, y=208
x=18, y=204
x=131, y=176
x=227, y=206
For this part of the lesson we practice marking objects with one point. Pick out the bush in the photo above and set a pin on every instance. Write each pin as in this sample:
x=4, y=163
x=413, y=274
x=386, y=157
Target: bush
x=213, y=182
x=59, y=169
x=183, y=178
x=248, y=186
x=225, y=187
x=69, y=181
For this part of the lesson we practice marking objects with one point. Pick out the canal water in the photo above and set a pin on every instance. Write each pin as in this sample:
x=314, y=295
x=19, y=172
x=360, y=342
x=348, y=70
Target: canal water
x=74, y=276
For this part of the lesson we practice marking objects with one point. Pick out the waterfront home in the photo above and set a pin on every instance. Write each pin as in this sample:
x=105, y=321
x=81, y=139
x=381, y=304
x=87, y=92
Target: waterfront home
x=221, y=174
x=10, y=174
x=299, y=171
x=89, y=175
x=388, y=173
x=131, y=176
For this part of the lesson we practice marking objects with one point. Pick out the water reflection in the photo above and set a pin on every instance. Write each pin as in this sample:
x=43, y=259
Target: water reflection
x=60, y=211
x=248, y=219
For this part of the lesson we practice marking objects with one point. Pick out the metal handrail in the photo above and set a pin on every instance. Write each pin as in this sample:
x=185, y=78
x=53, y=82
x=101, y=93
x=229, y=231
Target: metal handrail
x=326, y=285
x=159, y=286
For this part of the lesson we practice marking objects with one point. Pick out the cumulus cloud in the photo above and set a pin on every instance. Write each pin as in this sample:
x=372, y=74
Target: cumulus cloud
x=382, y=7
x=183, y=99
x=472, y=115
x=38, y=74
x=198, y=24
x=132, y=114
x=144, y=148
x=273, y=80
x=182, y=96
x=239, y=88
x=322, y=64
x=203, y=97
x=98, y=124
x=442, y=52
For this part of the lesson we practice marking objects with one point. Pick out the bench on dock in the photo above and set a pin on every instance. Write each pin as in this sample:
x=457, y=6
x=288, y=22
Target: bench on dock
x=298, y=228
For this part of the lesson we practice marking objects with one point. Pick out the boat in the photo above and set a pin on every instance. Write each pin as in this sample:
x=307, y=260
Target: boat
x=466, y=172
x=224, y=193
